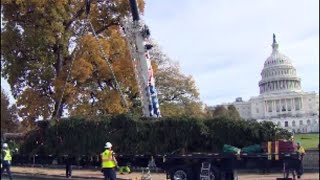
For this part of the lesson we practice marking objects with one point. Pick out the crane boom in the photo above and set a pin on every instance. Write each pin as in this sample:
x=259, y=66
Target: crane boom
x=137, y=34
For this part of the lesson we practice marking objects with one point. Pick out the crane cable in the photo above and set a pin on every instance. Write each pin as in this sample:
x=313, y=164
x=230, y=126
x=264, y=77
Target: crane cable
x=82, y=32
x=87, y=20
x=109, y=65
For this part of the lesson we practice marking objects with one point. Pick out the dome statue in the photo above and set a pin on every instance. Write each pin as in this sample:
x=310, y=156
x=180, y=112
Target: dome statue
x=278, y=74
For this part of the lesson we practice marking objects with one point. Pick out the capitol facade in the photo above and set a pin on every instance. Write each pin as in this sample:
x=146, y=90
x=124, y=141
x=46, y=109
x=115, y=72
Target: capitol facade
x=281, y=99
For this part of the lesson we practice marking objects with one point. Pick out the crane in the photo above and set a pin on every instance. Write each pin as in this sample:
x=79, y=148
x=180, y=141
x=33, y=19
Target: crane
x=137, y=35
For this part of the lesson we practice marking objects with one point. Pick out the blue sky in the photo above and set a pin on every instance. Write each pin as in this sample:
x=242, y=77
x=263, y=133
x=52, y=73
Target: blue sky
x=223, y=43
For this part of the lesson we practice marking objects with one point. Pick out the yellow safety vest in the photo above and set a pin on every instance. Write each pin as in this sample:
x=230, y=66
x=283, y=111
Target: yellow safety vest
x=7, y=157
x=301, y=150
x=107, y=159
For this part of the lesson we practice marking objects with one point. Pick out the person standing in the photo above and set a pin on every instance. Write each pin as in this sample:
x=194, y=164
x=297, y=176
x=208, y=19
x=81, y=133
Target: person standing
x=6, y=160
x=109, y=163
x=301, y=153
x=293, y=171
x=68, y=166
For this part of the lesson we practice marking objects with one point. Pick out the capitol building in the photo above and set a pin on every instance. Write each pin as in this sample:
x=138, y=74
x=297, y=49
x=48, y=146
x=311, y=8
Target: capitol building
x=282, y=100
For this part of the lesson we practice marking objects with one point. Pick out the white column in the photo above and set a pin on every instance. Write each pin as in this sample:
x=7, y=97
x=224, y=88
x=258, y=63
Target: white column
x=290, y=86
x=273, y=106
x=266, y=106
x=273, y=86
x=285, y=100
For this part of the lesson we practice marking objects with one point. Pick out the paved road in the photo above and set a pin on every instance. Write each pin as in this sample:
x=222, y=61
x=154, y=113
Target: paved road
x=5, y=178
x=37, y=177
x=273, y=176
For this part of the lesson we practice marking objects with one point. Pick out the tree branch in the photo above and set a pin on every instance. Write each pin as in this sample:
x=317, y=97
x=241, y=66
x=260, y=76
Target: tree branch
x=78, y=14
x=112, y=23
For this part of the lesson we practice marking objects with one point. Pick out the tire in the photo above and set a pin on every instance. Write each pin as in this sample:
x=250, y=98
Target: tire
x=216, y=173
x=181, y=173
x=230, y=175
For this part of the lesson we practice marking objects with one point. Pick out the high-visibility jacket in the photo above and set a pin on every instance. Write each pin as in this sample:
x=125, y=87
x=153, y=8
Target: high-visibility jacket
x=107, y=159
x=301, y=150
x=7, y=156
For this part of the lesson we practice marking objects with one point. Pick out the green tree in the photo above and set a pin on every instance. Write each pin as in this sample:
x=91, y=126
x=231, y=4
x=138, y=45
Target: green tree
x=219, y=111
x=9, y=119
x=134, y=135
x=233, y=113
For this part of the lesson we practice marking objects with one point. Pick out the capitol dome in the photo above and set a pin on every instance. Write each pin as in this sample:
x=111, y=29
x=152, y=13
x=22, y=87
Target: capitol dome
x=278, y=74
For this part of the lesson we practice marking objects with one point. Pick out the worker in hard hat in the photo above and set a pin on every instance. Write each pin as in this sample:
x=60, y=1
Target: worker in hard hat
x=295, y=145
x=301, y=153
x=109, y=163
x=6, y=159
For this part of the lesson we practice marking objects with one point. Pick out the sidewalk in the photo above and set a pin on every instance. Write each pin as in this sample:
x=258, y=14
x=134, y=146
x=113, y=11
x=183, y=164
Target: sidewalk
x=79, y=173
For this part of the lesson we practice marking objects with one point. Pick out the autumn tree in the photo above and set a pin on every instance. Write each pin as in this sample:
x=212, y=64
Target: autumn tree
x=178, y=94
x=219, y=111
x=37, y=51
x=48, y=52
x=229, y=112
x=9, y=120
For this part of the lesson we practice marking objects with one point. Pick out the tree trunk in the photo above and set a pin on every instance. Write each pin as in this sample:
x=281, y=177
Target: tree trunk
x=58, y=107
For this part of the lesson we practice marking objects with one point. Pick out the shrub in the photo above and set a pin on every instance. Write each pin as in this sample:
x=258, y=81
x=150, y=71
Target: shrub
x=131, y=135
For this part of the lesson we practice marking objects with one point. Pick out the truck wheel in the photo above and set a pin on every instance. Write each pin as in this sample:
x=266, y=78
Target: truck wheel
x=181, y=173
x=215, y=173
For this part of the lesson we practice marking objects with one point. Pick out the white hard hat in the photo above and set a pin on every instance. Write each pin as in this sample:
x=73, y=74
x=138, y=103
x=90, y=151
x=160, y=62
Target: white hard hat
x=108, y=145
x=5, y=145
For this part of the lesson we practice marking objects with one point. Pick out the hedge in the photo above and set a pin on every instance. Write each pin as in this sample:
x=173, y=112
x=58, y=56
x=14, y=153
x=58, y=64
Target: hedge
x=132, y=135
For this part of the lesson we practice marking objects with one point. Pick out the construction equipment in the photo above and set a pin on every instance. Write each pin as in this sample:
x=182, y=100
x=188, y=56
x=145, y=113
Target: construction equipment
x=206, y=166
x=137, y=35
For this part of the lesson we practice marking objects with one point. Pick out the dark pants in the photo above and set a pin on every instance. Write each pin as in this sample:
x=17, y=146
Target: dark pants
x=300, y=171
x=109, y=174
x=68, y=170
x=6, y=166
x=293, y=173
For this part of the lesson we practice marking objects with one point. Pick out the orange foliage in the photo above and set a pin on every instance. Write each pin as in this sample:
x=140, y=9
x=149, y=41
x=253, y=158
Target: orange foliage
x=33, y=104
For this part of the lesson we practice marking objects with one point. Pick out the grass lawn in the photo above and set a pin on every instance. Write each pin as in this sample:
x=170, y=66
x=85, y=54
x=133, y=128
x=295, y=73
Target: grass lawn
x=309, y=141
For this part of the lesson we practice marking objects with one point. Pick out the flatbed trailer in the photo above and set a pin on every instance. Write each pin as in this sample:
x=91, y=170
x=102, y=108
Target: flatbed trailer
x=214, y=166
